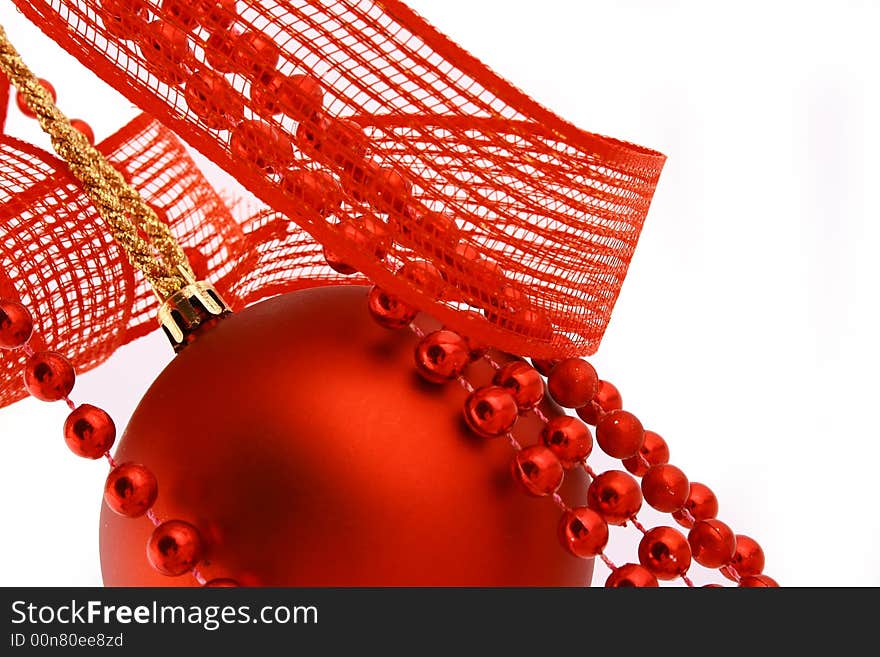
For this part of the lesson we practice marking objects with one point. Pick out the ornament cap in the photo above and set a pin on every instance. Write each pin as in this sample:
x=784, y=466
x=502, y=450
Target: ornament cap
x=190, y=308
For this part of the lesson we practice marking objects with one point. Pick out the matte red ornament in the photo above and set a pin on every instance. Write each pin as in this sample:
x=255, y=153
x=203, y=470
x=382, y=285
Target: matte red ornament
x=124, y=19
x=490, y=411
x=631, y=575
x=573, y=383
x=758, y=582
x=701, y=504
x=538, y=470
x=523, y=382
x=748, y=559
x=713, y=543
x=583, y=532
x=568, y=438
x=217, y=104
x=620, y=434
x=23, y=106
x=665, y=552
x=48, y=376
x=389, y=311
x=84, y=128
x=130, y=490
x=175, y=548
x=297, y=437
x=89, y=431
x=166, y=49
x=615, y=496
x=441, y=356
x=16, y=325
x=665, y=488
x=607, y=399
x=654, y=451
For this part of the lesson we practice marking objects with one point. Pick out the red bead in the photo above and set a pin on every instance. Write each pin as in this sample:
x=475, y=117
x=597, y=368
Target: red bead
x=631, y=575
x=263, y=145
x=175, y=547
x=392, y=190
x=317, y=193
x=615, y=496
x=49, y=376
x=523, y=382
x=607, y=399
x=16, y=325
x=266, y=94
x=130, y=490
x=84, y=128
x=583, y=532
x=545, y=366
x=701, y=503
x=215, y=15
x=527, y=321
x=748, y=558
x=568, y=438
x=573, y=383
x=167, y=52
x=424, y=276
x=344, y=144
x=538, y=470
x=183, y=13
x=222, y=583
x=653, y=451
x=302, y=99
x=367, y=234
x=213, y=100
x=220, y=49
x=665, y=552
x=620, y=434
x=389, y=311
x=758, y=581
x=123, y=19
x=22, y=105
x=713, y=543
x=441, y=356
x=490, y=411
x=89, y=431
x=254, y=54
x=665, y=488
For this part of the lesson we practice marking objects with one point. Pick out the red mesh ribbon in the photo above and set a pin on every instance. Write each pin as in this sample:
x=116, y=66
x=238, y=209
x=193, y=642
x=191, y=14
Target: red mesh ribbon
x=530, y=221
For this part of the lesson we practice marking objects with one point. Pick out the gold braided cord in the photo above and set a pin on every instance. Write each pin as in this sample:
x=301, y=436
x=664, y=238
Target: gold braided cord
x=159, y=256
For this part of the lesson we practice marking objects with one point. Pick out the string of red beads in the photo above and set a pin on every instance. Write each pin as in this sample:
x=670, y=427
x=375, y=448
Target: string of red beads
x=175, y=547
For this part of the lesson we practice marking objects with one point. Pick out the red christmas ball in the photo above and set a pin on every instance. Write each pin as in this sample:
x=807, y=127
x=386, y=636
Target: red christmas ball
x=296, y=436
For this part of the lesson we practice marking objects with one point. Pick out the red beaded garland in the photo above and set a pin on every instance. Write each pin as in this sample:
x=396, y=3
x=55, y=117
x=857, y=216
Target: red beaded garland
x=266, y=93
x=523, y=382
x=302, y=98
x=442, y=356
x=631, y=575
x=701, y=504
x=175, y=547
x=123, y=19
x=583, y=532
x=49, y=376
x=16, y=325
x=215, y=15
x=213, y=100
x=343, y=143
x=130, y=490
x=653, y=451
x=490, y=411
x=758, y=581
x=573, y=383
x=620, y=434
x=317, y=192
x=389, y=311
x=607, y=399
x=392, y=190
x=254, y=54
x=89, y=431
x=568, y=438
x=221, y=49
x=615, y=496
x=184, y=12
x=665, y=552
x=665, y=488
x=748, y=558
x=22, y=104
x=263, y=145
x=84, y=128
x=713, y=543
x=538, y=470
x=166, y=50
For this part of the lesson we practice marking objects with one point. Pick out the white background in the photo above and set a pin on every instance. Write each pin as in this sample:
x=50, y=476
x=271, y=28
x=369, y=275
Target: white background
x=746, y=332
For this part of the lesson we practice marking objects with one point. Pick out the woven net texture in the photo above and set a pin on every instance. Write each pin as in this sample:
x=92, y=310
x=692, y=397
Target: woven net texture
x=398, y=151
x=59, y=260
